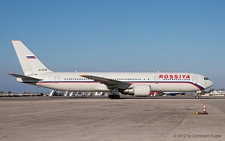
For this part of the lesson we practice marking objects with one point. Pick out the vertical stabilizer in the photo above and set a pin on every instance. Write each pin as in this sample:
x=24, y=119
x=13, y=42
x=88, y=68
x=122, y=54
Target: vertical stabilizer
x=30, y=64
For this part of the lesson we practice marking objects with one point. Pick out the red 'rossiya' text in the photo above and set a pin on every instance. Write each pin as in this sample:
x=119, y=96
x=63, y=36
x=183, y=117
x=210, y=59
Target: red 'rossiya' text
x=174, y=76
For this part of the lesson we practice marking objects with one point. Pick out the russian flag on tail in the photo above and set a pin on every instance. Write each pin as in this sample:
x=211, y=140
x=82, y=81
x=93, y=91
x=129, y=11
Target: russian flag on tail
x=30, y=57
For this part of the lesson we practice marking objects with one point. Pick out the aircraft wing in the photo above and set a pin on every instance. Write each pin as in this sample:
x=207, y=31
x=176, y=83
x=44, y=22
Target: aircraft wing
x=108, y=82
x=23, y=77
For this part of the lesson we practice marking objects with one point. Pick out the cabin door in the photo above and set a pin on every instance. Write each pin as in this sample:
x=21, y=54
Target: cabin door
x=156, y=80
x=57, y=78
x=194, y=79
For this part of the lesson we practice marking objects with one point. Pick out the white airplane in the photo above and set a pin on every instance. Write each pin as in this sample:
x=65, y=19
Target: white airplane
x=133, y=83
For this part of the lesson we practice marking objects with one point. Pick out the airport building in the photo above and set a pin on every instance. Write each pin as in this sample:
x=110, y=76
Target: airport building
x=220, y=92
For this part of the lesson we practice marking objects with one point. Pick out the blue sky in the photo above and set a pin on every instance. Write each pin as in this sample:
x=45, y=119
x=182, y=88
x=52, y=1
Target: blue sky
x=116, y=35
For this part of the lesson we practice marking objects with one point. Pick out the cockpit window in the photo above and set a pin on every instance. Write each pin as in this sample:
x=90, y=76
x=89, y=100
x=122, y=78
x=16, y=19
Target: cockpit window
x=206, y=78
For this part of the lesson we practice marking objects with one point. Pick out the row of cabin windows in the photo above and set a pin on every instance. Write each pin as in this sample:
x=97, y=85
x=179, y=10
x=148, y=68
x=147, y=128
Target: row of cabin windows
x=119, y=79
x=76, y=79
x=109, y=78
x=127, y=79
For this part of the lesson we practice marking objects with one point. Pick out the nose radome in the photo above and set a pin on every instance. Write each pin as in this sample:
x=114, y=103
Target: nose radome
x=210, y=83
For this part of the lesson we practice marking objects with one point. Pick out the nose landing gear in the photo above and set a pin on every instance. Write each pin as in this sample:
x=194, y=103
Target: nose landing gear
x=198, y=94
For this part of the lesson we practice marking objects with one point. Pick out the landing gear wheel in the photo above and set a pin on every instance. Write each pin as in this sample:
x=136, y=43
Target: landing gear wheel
x=112, y=96
x=117, y=96
x=196, y=97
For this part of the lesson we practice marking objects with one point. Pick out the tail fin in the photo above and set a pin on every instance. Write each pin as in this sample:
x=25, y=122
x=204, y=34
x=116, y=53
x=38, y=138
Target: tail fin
x=30, y=64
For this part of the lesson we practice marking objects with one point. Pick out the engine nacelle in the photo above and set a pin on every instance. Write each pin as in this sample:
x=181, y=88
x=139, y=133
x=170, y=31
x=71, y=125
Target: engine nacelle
x=139, y=90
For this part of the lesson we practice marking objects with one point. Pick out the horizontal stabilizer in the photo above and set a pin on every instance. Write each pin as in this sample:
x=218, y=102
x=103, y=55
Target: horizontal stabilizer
x=23, y=77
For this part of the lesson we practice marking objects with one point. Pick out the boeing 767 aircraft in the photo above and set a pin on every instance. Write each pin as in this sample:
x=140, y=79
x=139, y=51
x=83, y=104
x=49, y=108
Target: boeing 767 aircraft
x=133, y=83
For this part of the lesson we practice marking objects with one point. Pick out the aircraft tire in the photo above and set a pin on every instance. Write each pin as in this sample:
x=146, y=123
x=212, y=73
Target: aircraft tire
x=117, y=96
x=112, y=96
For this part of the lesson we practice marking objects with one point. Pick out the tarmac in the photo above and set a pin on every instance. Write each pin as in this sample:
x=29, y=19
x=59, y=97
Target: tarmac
x=103, y=119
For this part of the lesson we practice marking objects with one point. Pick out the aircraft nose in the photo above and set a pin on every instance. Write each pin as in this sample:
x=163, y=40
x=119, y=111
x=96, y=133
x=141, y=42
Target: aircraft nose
x=210, y=83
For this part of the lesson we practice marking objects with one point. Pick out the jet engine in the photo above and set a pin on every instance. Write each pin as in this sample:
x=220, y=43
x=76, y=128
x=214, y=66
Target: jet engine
x=139, y=90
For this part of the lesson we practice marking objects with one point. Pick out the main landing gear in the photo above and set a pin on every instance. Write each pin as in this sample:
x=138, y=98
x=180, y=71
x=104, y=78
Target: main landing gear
x=114, y=94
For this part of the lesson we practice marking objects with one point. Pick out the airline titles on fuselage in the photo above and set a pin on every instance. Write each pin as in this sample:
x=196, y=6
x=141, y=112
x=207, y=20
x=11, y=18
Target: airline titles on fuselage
x=174, y=76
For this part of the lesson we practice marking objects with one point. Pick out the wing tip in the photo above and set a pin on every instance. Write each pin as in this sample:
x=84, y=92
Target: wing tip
x=9, y=73
x=16, y=41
